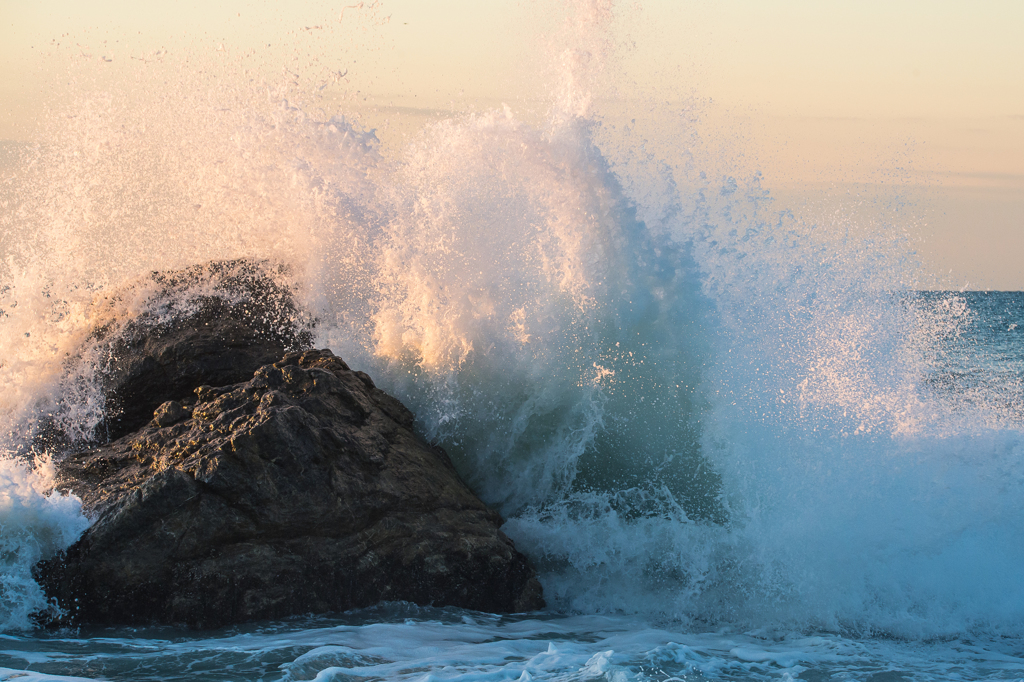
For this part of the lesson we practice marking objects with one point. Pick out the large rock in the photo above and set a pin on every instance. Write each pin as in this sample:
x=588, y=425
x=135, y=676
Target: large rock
x=301, y=490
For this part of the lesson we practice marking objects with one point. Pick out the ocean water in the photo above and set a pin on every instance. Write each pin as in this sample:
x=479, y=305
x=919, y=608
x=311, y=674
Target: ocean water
x=737, y=444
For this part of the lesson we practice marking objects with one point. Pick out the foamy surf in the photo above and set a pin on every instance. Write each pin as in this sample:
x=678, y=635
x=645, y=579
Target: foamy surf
x=402, y=642
x=35, y=523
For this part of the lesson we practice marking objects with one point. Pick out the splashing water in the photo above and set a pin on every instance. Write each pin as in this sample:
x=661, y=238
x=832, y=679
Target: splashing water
x=689, y=404
x=34, y=524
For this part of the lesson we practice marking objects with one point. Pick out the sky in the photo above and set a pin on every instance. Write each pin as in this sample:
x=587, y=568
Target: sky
x=922, y=98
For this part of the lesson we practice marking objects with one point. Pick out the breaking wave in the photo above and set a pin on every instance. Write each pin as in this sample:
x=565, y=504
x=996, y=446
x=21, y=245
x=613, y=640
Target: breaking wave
x=688, y=403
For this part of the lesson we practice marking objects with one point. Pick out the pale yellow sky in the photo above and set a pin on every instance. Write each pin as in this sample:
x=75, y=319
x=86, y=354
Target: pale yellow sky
x=923, y=95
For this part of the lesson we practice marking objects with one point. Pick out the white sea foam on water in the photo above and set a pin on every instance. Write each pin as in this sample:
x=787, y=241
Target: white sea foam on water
x=402, y=642
x=35, y=523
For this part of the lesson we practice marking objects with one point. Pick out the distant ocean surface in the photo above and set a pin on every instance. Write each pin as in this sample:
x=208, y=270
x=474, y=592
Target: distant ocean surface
x=736, y=443
x=982, y=362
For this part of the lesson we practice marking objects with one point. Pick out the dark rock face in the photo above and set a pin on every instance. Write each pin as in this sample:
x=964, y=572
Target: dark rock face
x=302, y=490
x=239, y=318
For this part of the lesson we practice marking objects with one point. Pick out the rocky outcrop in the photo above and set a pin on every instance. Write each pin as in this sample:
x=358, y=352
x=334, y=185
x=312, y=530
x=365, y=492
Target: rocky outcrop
x=297, y=488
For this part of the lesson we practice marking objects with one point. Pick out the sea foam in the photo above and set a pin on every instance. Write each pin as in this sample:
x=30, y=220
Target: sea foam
x=35, y=523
